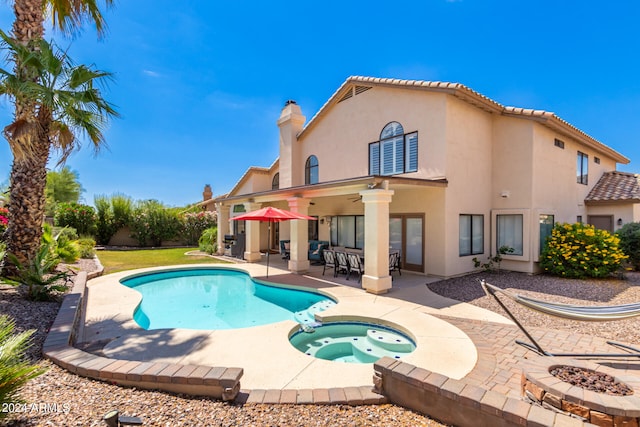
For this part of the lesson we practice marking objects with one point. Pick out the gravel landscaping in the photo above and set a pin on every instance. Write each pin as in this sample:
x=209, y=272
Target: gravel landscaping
x=553, y=289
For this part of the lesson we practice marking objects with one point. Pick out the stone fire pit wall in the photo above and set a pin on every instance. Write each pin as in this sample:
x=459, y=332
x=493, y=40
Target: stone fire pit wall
x=601, y=409
x=458, y=403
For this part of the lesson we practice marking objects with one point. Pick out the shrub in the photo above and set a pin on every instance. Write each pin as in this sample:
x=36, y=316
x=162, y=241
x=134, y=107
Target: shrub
x=208, y=241
x=629, y=236
x=113, y=213
x=38, y=275
x=4, y=220
x=80, y=217
x=493, y=260
x=15, y=371
x=581, y=250
x=68, y=233
x=63, y=244
x=104, y=220
x=152, y=223
x=193, y=224
x=86, y=246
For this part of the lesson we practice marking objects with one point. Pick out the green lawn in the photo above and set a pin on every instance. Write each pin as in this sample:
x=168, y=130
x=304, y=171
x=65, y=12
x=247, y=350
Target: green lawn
x=114, y=261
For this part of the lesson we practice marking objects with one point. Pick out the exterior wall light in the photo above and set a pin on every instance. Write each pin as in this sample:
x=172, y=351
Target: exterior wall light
x=619, y=221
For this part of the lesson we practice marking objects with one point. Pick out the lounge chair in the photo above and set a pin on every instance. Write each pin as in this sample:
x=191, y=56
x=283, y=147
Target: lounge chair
x=567, y=311
x=355, y=266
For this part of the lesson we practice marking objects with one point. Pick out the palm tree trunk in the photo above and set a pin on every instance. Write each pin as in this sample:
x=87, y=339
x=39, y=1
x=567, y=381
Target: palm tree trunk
x=26, y=207
x=29, y=21
x=28, y=173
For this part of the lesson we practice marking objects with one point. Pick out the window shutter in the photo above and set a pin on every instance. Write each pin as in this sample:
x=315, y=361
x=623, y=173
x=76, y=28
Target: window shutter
x=399, y=155
x=412, y=153
x=374, y=158
x=387, y=158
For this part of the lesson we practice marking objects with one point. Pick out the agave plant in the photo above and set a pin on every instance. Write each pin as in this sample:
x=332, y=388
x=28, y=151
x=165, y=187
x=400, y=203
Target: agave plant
x=39, y=275
x=15, y=371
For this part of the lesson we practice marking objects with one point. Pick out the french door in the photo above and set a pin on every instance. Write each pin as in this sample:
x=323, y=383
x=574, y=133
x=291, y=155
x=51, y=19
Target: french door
x=406, y=234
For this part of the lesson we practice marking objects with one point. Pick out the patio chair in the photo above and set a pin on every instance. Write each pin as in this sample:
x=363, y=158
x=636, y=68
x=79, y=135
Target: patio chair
x=394, y=262
x=342, y=264
x=355, y=266
x=285, y=250
x=329, y=260
x=567, y=311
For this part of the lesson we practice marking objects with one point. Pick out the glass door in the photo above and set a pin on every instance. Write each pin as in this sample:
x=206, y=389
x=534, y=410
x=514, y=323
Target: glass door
x=406, y=235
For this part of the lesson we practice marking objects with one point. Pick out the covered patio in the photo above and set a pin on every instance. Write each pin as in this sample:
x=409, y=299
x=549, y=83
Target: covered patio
x=369, y=197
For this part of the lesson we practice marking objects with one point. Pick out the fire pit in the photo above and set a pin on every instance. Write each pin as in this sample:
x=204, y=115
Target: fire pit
x=590, y=380
x=591, y=392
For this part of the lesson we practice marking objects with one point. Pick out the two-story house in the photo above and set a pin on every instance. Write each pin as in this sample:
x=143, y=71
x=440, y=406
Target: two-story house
x=435, y=170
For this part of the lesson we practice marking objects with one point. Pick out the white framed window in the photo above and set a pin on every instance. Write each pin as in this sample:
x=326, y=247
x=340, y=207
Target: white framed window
x=395, y=153
x=510, y=233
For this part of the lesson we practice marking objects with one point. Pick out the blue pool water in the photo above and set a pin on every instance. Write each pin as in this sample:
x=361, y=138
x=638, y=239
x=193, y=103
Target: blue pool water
x=210, y=298
x=352, y=342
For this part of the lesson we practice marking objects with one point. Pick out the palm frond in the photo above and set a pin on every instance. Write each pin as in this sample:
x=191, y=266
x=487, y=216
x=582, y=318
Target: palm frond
x=65, y=98
x=69, y=15
x=15, y=371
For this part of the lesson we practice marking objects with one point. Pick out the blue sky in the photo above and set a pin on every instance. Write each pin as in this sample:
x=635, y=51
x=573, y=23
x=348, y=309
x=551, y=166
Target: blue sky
x=200, y=84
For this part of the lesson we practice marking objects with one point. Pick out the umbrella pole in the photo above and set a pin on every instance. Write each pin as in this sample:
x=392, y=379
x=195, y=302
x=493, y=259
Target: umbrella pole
x=268, y=245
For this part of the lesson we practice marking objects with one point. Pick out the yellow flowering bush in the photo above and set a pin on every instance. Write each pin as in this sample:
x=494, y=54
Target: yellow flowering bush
x=581, y=250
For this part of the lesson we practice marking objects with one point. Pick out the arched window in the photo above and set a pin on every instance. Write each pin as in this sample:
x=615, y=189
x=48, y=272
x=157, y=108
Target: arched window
x=311, y=170
x=275, y=182
x=395, y=153
x=391, y=130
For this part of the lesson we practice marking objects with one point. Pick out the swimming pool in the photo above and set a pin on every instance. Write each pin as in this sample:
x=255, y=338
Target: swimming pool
x=216, y=298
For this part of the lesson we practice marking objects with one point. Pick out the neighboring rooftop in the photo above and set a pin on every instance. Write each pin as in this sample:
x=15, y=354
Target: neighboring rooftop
x=615, y=187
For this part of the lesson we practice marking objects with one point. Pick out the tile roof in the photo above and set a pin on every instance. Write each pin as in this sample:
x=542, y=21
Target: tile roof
x=615, y=187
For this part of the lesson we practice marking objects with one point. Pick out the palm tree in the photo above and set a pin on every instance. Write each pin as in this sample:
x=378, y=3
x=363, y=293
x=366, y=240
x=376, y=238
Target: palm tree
x=31, y=149
x=66, y=102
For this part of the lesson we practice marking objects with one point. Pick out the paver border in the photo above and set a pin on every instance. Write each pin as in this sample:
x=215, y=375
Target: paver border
x=218, y=382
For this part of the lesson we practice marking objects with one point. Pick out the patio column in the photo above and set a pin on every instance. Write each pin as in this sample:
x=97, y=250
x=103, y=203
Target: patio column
x=376, y=278
x=223, y=225
x=252, y=235
x=299, y=257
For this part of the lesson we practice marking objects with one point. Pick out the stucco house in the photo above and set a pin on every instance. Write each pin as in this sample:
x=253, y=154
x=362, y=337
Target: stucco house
x=435, y=170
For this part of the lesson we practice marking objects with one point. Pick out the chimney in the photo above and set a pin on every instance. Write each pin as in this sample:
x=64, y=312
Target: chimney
x=291, y=122
x=207, y=194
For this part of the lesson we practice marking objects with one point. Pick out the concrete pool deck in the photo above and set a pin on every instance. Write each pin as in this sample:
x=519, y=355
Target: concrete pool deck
x=268, y=359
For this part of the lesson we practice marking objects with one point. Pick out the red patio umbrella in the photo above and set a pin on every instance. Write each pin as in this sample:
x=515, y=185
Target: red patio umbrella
x=270, y=214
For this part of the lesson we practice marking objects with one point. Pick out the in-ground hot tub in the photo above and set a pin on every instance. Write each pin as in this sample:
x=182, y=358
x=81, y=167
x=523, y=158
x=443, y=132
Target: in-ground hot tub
x=352, y=342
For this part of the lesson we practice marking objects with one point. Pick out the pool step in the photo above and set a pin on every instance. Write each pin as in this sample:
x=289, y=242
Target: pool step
x=389, y=340
x=308, y=316
x=364, y=349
